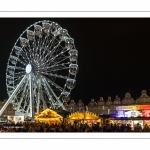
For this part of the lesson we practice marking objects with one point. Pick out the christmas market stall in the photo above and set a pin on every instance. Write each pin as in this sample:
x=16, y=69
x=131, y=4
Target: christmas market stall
x=49, y=116
x=84, y=117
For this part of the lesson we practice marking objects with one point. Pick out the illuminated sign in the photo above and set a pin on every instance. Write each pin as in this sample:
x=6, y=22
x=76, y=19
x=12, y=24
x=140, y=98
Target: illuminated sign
x=130, y=113
x=120, y=113
x=133, y=107
x=146, y=113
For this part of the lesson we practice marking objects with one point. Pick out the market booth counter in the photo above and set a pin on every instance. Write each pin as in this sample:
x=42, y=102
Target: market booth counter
x=49, y=116
x=84, y=117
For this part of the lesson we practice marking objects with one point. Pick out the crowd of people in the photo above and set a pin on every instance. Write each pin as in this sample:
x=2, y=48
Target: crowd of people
x=68, y=127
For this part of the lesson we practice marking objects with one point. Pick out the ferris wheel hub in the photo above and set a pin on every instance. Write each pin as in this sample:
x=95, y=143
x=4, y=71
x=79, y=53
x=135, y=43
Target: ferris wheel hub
x=28, y=68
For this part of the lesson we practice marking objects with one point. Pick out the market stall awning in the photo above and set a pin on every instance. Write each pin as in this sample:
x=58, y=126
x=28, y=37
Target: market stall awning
x=48, y=113
x=83, y=115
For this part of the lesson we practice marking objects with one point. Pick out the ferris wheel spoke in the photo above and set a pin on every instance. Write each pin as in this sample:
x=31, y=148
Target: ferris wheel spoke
x=63, y=60
x=55, y=75
x=35, y=97
x=19, y=78
x=53, y=58
x=24, y=55
x=41, y=96
x=57, y=65
x=19, y=73
x=38, y=93
x=29, y=56
x=56, y=46
x=58, y=49
x=59, y=69
x=45, y=40
x=27, y=111
x=26, y=101
x=28, y=52
x=38, y=98
x=36, y=52
x=47, y=47
x=48, y=40
x=26, y=61
x=57, y=62
x=9, y=76
x=14, y=60
x=50, y=44
x=52, y=51
x=58, y=102
x=33, y=48
x=52, y=83
x=52, y=101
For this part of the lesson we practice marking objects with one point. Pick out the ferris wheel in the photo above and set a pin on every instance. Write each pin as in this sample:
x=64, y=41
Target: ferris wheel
x=41, y=69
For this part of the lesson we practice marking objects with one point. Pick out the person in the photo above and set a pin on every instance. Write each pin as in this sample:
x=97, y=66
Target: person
x=128, y=128
x=138, y=128
x=146, y=128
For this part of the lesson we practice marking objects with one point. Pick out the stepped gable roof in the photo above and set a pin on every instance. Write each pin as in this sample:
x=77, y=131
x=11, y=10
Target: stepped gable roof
x=117, y=100
x=128, y=99
x=72, y=104
x=109, y=101
x=80, y=103
x=92, y=103
x=101, y=101
x=144, y=98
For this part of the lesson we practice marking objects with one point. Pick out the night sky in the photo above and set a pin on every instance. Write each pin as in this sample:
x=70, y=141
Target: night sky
x=114, y=54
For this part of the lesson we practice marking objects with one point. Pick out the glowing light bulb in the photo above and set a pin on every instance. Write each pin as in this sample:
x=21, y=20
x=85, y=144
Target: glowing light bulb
x=28, y=68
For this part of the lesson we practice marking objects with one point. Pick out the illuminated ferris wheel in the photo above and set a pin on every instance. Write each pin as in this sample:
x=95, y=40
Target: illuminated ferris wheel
x=41, y=69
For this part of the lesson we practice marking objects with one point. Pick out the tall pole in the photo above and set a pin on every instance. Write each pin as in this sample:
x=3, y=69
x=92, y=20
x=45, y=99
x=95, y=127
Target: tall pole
x=31, y=96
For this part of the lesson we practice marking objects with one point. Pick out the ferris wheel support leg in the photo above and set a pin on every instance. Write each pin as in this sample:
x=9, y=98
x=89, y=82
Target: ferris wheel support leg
x=38, y=103
x=31, y=97
x=42, y=98
x=21, y=99
x=48, y=93
x=28, y=114
x=12, y=95
x=38, y=100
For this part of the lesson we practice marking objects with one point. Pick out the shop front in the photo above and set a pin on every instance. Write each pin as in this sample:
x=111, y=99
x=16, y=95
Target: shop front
x=132, y=114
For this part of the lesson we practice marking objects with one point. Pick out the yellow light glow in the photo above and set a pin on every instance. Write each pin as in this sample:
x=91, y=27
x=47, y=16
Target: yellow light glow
x=133, y=107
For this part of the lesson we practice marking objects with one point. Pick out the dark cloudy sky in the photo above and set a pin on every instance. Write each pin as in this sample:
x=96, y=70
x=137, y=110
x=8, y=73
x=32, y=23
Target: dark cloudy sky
x=114, y=54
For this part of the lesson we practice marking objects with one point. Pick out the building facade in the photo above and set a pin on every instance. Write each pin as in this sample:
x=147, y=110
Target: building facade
x=9, y=110
x=101, y=107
